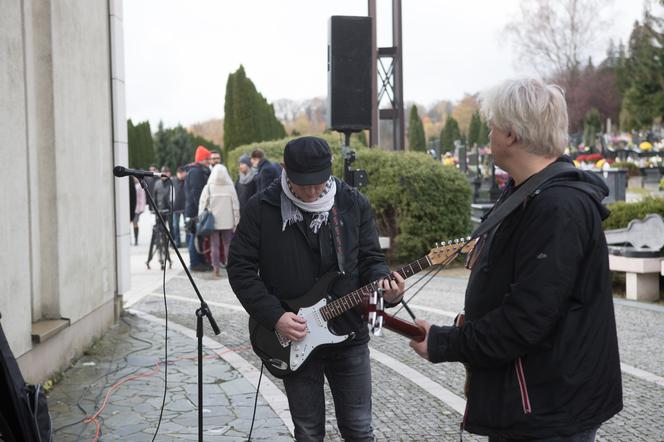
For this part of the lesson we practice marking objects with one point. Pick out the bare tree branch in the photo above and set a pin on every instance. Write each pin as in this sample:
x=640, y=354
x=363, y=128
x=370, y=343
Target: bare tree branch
x=555, y=36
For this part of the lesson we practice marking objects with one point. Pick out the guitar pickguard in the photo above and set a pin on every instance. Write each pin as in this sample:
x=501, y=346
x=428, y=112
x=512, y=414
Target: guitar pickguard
x=317, y=334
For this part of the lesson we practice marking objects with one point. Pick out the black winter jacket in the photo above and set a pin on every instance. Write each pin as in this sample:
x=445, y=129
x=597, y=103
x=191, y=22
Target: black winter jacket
x=267, y=264
x=267, y=172
x=540, y=334
x=197, y=178
x=245, y=191
x=180, y=197
x=162, y=193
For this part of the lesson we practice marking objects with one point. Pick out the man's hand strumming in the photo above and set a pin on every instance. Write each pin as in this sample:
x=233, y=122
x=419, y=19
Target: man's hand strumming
x=292, y=326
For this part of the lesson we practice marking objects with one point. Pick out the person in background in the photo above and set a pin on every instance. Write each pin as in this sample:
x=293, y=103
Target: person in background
x=215, y=158
x=178, y=203
x=139, y=205
x=197, y=176
x=220, y=198
x=151, y=181
x=266, y=172
x=245, y=186
x=162, y=195
x=163, y=191
x=132, y=198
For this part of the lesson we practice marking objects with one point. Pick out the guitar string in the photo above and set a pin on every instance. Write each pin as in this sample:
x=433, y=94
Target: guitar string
x=337, y=305
x=435, y=270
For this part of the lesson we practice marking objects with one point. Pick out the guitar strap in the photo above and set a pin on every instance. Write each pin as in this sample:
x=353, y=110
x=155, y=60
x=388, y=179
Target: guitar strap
x=337, y=237
x=498, y=213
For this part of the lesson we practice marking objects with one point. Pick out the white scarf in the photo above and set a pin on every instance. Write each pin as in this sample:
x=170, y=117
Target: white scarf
x=291, y=205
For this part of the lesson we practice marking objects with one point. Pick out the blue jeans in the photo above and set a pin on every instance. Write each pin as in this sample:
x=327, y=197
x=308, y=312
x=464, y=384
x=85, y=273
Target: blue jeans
x=348, y=372
x=584, y=436
x=195, y=258
x=175, y=228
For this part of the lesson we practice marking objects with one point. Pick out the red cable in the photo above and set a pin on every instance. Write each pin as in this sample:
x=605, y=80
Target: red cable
x=152, y=372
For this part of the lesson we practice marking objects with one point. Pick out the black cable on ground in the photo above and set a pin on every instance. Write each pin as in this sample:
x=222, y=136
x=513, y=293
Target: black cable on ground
x=68, y=425
x=163, y=400
x=258, y=387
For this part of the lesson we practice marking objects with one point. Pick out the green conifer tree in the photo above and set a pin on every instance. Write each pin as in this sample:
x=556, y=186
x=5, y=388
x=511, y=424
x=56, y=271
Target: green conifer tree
x=592, y=125
x=248, y=117
x=449, y=134
x=416, y=137
x=176, y=146
x=643, y=100
x=474, y=129
x=483, y=136
x=229, y=116
x=140, y=145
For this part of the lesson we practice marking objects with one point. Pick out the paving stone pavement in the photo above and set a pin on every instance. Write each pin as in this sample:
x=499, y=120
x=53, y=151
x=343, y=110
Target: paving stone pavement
x=133, y=348
x=402, y=410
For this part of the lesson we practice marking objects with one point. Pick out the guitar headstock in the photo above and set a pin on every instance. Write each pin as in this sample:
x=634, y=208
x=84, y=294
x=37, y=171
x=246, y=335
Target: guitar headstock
x=447, y=251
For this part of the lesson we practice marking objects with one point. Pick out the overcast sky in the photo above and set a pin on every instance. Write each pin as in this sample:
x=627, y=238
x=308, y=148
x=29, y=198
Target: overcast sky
x=178, y=53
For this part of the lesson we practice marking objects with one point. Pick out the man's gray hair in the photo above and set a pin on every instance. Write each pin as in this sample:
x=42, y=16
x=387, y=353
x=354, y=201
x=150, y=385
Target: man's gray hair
x=534, y=111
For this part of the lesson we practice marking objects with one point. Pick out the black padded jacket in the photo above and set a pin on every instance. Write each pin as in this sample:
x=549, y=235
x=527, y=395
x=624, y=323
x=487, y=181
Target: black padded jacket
x=540, y=334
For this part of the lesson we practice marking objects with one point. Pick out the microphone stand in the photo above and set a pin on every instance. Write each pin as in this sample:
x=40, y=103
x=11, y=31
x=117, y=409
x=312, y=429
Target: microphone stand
x=202, y=311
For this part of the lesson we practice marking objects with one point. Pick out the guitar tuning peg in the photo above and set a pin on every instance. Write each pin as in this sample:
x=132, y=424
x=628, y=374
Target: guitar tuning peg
x=456, y=241
x=467, y=238
x=437, y=245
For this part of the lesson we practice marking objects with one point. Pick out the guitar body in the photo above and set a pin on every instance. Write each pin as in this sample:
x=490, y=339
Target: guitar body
x=280, y=356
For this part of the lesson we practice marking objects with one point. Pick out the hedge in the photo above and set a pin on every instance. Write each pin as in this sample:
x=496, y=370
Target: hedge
x=622, y=212
x=416, y=201
x=632, y=168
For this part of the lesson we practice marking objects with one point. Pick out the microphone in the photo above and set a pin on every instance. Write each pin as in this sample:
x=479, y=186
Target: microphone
x=120, y=171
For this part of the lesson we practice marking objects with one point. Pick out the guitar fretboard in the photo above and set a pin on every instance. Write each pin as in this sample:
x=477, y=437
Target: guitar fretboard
x=354, y=298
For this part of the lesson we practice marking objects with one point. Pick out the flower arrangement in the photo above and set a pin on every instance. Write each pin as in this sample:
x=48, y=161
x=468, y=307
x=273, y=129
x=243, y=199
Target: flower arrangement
x=589, y=158
x=592, y=161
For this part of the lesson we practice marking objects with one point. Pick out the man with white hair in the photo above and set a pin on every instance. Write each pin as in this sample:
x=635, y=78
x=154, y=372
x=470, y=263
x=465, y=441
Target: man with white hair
x=539, y=337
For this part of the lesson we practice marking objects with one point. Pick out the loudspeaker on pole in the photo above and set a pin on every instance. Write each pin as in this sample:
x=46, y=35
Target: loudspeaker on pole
x=349, y=73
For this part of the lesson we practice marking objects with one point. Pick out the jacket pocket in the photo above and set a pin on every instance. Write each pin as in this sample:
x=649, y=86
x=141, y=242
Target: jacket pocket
x=523, y=389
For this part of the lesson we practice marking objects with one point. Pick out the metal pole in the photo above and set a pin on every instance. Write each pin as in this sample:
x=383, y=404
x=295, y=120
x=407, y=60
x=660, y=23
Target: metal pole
x=373, y=131
x=399, y=126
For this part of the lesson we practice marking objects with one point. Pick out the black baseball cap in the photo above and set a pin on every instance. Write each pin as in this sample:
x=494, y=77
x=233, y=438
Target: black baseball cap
x=308, y=161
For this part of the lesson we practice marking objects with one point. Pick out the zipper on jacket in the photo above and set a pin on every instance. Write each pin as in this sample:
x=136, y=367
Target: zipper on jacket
x=523, y=390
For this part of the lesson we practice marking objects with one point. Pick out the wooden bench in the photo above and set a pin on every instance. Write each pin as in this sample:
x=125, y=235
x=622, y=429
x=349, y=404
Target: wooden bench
x=641, y=262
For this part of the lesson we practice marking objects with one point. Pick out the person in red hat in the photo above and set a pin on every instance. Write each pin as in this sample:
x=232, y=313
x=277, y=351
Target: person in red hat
x=197, y=177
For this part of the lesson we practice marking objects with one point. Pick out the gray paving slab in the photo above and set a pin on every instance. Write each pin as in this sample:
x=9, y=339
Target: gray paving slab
x=133, y=348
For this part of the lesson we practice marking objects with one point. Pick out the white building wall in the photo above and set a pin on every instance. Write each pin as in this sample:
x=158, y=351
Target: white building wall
x=83, y=155
x=58, y=106
x=120, y=148
x=15, y=290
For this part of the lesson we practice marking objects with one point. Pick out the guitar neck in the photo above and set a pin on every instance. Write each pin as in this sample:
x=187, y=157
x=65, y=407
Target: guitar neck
x=404, y=328
x=355, y=298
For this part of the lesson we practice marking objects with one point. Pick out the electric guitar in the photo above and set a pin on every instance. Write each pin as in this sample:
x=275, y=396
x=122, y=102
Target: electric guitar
x=282, y=357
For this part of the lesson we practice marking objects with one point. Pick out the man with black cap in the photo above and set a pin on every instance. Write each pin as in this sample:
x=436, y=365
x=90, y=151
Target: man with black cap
x=285, y=242
x=266, y=171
